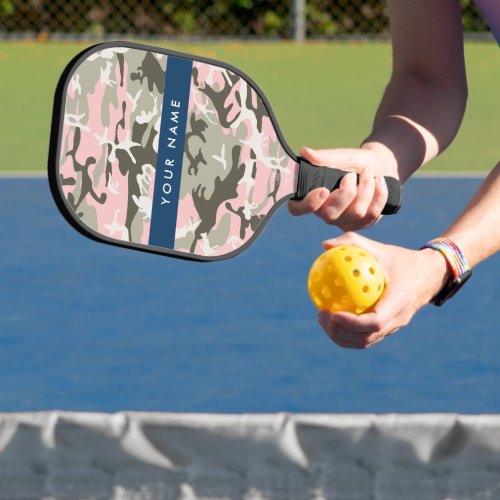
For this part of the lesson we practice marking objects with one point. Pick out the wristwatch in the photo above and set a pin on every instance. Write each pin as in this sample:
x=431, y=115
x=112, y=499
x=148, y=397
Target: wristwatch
x=460, y=270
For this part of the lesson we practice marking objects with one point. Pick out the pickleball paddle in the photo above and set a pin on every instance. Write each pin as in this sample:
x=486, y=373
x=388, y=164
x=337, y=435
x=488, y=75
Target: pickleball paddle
x=171, y=153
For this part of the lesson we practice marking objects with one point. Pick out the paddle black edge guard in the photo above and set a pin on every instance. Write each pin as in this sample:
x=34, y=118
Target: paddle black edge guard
x=311, y=177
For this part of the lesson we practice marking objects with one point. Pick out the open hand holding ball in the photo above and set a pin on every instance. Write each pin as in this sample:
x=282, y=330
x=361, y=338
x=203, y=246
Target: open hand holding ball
x=346, y=278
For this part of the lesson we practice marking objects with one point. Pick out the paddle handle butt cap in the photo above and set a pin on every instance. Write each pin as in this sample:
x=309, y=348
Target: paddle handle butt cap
x=312, y=177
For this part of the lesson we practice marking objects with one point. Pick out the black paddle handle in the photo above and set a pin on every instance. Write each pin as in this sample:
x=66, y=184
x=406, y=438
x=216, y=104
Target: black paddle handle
x=312, y=177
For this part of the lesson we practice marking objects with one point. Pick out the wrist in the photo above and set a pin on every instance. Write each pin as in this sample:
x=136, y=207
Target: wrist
x=457, y=265
x=386, y=156
x=437, y=272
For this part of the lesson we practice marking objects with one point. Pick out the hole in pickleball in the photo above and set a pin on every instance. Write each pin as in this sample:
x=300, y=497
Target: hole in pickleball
x=372, y=270
x=379, y=287
x=359, y=310
x=317, y=276
x=356, y=273
x=346, y=299
x=339, y=281
x=348, y=258
x=327, y=293
x=366, y=289
x=330, y=268
x=336, y=306
x=362, y=254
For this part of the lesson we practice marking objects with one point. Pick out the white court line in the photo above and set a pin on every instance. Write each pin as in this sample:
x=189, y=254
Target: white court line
x=454, y=174
x=22, y=175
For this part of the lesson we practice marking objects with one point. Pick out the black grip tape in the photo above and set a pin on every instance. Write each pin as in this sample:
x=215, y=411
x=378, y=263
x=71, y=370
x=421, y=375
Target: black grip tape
x=312, y=177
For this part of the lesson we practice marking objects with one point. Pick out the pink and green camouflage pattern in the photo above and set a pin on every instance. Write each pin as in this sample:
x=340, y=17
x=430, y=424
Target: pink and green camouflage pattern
x=234, y=167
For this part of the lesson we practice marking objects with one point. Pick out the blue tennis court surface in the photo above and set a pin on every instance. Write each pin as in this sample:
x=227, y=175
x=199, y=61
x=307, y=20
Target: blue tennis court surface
x=85, y=326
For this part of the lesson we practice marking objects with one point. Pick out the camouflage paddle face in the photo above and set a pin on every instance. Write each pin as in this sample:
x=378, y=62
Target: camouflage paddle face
x=164, y=152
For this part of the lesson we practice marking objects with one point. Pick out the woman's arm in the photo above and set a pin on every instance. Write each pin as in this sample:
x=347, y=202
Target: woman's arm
x=414, y=277
x=477, y=230
x=419, y=114
x=424, y=103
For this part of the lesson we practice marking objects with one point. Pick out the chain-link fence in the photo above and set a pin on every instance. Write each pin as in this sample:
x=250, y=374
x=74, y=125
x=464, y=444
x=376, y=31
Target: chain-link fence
x=206, y=18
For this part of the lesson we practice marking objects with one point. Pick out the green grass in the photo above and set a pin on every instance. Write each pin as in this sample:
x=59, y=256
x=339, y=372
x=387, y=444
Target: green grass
x=323, y=94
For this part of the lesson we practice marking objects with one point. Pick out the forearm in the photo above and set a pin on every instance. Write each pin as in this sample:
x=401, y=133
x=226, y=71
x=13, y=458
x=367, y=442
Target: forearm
x=477, y=230
x=424, y=103
x=416, y=120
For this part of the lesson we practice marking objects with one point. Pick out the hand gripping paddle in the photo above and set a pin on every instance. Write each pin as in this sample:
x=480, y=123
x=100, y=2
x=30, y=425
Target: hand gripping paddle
x=171, y=153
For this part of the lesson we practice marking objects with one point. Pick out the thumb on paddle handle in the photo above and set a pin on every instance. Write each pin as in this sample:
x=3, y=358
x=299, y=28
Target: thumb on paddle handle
x=312, y=177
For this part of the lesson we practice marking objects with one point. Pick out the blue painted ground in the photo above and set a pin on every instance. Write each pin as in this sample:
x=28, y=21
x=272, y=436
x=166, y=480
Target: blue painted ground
x=85, y=326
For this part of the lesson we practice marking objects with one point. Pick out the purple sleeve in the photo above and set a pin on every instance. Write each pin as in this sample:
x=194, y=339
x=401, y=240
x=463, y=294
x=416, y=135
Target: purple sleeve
x=490, y=9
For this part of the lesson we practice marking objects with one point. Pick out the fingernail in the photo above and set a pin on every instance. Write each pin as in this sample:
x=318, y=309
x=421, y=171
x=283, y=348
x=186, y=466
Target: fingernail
x=324, y=194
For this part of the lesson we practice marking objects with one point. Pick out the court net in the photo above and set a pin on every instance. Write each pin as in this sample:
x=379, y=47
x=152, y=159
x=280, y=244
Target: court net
x=160, y=456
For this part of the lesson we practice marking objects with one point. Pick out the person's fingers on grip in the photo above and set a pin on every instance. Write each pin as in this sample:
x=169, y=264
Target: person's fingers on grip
x=313, y=200
x=338, y=201
x=364, y=195
x=347, y=212
x=313, y=156
x=349, y=159
x=311, y=203
x=357, y=214
x=342, y=158
x=380, y=195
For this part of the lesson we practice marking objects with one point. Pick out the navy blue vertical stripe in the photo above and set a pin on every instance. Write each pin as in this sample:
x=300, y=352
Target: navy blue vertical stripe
x=170, y=152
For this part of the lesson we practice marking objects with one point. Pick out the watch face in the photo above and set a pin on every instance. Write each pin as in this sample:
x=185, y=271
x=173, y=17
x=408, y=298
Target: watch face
x=451, y=288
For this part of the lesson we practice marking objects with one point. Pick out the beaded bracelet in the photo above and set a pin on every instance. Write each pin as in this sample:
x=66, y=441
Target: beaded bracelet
x=452, y=254
x=460, y=269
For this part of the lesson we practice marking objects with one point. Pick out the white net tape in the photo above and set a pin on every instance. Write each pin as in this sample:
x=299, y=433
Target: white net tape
x=160, y=456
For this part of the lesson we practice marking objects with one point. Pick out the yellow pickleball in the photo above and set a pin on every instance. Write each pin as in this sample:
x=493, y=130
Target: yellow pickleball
x=346, y=278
